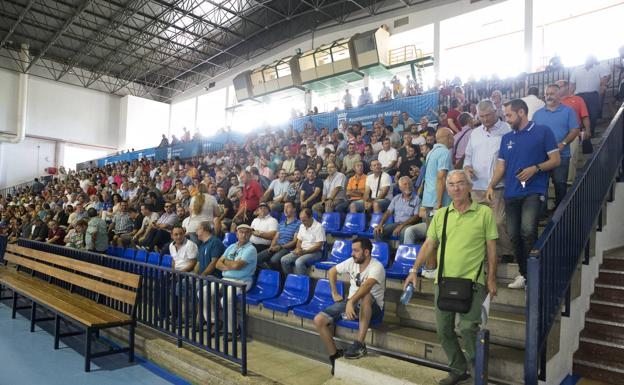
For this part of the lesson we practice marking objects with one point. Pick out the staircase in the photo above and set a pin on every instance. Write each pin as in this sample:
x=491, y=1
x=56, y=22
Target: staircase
x=601, y=347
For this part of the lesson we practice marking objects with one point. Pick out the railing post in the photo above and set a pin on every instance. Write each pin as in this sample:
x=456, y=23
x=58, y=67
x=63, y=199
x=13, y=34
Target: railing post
x=532, y=351
x=482, y=357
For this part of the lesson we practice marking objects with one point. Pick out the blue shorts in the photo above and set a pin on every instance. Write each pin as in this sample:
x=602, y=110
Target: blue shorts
x=334, y=312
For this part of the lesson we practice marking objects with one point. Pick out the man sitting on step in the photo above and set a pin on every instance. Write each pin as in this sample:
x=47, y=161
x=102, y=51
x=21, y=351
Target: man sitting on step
x=367, y=278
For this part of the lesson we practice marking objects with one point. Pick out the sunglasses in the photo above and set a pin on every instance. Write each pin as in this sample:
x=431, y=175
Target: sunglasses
x=358, y=280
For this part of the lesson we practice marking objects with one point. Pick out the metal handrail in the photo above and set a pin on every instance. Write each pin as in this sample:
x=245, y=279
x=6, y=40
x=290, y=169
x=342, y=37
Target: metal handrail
x=555, y=257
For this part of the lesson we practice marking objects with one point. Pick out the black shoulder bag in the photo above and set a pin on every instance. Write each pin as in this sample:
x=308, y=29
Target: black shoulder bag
x=454, y=294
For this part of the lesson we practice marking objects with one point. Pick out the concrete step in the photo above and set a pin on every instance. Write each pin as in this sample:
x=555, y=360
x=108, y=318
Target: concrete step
x=506, y=363
x=375, y=369
x=609, y=371
x=612, y=264
x=505, y=328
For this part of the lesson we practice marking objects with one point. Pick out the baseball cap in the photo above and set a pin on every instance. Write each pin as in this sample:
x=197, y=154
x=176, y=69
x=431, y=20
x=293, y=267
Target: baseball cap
x=244, y=226
x=263, y=204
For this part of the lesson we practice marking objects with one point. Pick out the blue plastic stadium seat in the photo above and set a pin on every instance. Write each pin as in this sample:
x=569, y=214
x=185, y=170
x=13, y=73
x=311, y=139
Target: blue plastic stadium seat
x=331, y=222
x=355, y=324
x=403, y=261
x=267, y=287
x=322, y=299
x=340, y=252
x=129, y=254
x=110, y=251
x=354, y=223
x=166, y=261
x=141, y=256
x=229, y=239
x=380, y=252
x=153, y=258
x=296, y=292
x=118, y=252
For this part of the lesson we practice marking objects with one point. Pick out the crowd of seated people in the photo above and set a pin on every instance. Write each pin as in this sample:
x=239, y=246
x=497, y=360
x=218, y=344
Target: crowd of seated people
x=273, y=189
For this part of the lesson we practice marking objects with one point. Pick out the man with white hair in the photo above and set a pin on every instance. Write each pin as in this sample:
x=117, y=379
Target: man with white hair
x=464, y=235
x=480, y=158
x=404, y=207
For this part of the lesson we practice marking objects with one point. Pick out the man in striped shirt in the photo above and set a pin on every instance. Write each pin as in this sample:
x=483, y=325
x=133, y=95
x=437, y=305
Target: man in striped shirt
x=283, y=241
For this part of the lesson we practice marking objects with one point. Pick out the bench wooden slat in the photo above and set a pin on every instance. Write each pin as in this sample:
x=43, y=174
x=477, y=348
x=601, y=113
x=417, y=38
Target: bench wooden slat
x=122, y=277
x=111, y=291
x=78, y=312
x=103, y=312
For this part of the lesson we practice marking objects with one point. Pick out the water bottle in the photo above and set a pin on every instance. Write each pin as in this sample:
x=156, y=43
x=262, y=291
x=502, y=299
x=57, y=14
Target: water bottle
x=407, y=294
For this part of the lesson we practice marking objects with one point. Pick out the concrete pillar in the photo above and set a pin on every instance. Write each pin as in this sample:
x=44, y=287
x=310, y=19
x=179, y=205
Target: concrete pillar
x=366, y=80
x=436, y=49
x=308, y=101
x=528, y=35
x=59, y=154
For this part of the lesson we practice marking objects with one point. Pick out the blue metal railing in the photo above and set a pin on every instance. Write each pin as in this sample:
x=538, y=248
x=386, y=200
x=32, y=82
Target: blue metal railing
x=178, y=304
x=556, y=255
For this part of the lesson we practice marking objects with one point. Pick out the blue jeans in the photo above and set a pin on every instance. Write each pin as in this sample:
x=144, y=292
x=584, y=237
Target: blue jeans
x=383, y=203
x=292, y=263
x=559, y=177
x=522, y=215
x=594, y=108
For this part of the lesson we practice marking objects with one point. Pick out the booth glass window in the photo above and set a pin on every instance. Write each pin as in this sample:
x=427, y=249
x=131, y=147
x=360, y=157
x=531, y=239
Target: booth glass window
x=323, y=56
x=306, y=62
x=340, y=51
x=365, y=43
x=270, y=73
x=256, y=78
x=283, y=68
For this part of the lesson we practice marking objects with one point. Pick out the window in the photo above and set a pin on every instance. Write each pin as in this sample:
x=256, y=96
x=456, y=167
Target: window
x=365, y=43
x=306, y=62
x=340, y=51
x=486, y=42
x=283, y=68
x=270, y=73
x=585, y=27
x=323, y=56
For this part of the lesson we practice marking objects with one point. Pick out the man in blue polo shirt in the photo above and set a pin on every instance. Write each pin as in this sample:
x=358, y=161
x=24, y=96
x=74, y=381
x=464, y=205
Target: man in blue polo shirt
x=563, y=122
x=284, y=240
x=526, y=155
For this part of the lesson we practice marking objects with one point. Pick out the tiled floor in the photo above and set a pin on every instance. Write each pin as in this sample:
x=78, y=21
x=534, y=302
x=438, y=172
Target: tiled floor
x=29, y=358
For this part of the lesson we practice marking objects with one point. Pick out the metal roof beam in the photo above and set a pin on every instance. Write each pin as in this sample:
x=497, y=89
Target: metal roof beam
x=17, y=23
x=60, y=32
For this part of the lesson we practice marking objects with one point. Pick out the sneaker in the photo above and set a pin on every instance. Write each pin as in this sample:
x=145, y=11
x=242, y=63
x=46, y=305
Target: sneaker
x=332, y=359
x=518, y=283
x=429, y=273
x=355, y=351
x=454, y=379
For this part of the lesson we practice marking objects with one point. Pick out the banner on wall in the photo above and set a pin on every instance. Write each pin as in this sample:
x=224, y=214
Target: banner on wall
x=415, y=106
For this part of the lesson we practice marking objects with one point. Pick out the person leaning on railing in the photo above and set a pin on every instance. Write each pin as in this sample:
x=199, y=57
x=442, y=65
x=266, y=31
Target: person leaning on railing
x=464, y=234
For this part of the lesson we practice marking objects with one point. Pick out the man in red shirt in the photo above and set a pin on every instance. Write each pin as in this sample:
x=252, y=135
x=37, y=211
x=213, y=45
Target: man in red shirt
x=250, y=198
x=580, y=108
x=453, y=116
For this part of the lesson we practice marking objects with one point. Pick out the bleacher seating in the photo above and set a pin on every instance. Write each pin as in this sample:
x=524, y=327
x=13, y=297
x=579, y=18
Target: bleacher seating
x=353, y=224
x=296, y=292
x=153, y=258
x=341, y=250
x=381, y=253
x=322, y=298
x=355, y=324
x=166, y=261
x=331, y=222
x=267, y=286
x=229, y=239
x=129, y=254
x=403, y=261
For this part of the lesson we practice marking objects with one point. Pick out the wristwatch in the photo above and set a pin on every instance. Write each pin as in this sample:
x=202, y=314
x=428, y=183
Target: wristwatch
x=413, y=270
x=564, y=143
x=539, y=169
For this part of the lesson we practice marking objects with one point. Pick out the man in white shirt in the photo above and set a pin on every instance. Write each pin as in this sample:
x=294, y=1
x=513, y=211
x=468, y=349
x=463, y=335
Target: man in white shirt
x=333, y=191
x=388, y=156
x=182, y=250
x=479, y=162
x=587, y=82
x=264, y=228
x=278, y=190
x=365, y=300
x=347, y=100
x=385, y=94
x=378, y=185
x=533, y=101
x=309, y=249
x=320, y=149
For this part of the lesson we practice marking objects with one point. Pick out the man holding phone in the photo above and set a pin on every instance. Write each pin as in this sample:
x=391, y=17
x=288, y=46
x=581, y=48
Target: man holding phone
x=525, y=157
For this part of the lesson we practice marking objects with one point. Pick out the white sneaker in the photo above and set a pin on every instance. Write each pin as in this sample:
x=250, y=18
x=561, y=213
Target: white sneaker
x=518, y=283
x=429, y=273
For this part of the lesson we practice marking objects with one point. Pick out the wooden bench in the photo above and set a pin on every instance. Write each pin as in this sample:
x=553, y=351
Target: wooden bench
x=40, y=277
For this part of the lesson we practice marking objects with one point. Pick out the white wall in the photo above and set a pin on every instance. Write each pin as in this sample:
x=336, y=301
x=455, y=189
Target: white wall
x=142, y=122
x=57, y=115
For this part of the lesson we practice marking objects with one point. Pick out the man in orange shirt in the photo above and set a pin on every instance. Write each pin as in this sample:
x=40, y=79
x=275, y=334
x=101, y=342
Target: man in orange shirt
x=580, y=108
x=355, y=187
